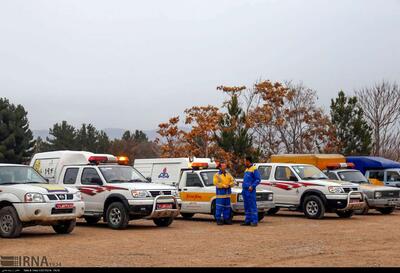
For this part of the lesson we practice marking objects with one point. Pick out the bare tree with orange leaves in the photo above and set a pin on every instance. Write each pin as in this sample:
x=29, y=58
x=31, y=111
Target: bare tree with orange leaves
x=171, y=141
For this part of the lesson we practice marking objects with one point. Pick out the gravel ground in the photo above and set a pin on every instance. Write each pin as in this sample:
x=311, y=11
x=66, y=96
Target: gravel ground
x=286, y=239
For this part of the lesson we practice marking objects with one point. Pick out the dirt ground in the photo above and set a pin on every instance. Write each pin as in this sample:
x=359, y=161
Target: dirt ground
x=287, y=239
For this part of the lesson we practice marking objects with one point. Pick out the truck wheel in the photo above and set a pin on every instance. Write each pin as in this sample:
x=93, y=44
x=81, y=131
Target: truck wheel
x=163, y=222
x=261, y=215
x=345, y=213
x=272, y=211
x=117, y=216
x=313, y=207
x=388, y=210
x=64, y=227
x=10, y=225
x=91, y=220
x=363, y=211
x=187, y=215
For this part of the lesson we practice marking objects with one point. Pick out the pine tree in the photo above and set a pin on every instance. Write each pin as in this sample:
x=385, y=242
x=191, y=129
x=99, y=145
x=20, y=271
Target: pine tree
x=234, y=137
x=63, y=137
x=352, y=130
x=16, y=139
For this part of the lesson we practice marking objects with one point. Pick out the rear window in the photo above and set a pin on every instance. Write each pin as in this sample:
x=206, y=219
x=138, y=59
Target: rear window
x=70, y=175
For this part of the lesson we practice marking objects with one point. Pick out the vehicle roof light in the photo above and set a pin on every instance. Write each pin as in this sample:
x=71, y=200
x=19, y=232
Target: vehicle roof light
x=199, y=165
x=340, y=166
x=97, y=159
x=123, y=160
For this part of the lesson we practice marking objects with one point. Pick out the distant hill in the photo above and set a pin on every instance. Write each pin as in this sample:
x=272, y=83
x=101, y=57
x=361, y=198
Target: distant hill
x=111, y=132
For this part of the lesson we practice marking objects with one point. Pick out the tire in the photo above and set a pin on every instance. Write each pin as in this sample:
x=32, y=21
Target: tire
x=363, y=211
x=10, y=224
x=187, y=215
x=163, y=222
x=272, y=211
x=64, y=227
x=261, y=216
x=313, y=207
x=345, y=214
x=388, y=210
x=92, y=220
x=117, y=216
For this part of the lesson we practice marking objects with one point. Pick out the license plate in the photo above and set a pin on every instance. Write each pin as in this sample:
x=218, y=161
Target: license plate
x=65, y=206
x=354, y=200
x=164, y=206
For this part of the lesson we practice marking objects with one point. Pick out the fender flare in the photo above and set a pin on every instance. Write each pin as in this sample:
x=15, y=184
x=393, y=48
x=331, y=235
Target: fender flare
x=115, y=196
x=312, y=192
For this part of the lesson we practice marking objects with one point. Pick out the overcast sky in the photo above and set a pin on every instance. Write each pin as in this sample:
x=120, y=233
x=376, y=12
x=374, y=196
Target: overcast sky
x=133, y=64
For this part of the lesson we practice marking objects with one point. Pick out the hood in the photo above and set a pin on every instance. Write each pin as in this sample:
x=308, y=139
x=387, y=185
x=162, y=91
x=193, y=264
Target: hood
x=373, y=187
x=43, y=188
x=331, y=182
x=143, y=186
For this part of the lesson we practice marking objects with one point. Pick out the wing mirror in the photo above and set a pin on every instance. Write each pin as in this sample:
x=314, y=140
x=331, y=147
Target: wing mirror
x=148, y=179
x=293, y=178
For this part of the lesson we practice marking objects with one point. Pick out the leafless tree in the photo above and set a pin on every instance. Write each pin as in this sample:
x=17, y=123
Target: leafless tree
x=381, y=105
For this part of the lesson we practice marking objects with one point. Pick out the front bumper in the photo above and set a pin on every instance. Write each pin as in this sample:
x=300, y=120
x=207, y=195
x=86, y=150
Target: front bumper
x=354, y=200
x=261, y=206
x=47, y=212
x=383, y=203
x=148, y=208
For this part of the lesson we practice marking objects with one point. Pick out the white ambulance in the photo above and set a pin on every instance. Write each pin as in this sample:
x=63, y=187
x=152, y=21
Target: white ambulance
x=27, y=199
x=193, y=177
x=110, y=188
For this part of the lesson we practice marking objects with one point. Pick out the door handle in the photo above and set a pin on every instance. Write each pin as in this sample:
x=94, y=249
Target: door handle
x=185, y=189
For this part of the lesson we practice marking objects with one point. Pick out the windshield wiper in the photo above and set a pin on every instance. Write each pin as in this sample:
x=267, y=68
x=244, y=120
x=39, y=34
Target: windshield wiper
x=313, y=178
x=139, y=180
x=118, y=181
x=34, y=182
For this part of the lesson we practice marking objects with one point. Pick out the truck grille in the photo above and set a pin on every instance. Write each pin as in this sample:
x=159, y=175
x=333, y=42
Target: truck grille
x=390, y=194
x=60, y=196
x=349, y=189
x=61, y=211
x=157, y=193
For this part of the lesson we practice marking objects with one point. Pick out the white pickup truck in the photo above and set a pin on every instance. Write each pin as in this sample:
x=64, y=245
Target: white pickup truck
x=194, y=180
x=305, y=188
x=27, y=199
x=110, y=189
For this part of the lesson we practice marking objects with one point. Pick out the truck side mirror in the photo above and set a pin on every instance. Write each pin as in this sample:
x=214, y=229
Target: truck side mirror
x=96, y=180
x=148, y=179
x=293, y=178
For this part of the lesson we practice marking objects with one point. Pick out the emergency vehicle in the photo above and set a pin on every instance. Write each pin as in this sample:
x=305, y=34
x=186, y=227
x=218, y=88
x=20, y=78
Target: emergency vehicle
x=383, y=199
x=193, y=177
x=303, y=187
x=111, y=189
x=378, y=170
x=27, y=199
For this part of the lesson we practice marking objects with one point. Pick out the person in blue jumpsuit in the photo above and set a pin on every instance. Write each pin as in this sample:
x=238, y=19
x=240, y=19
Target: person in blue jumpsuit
x=250, y=181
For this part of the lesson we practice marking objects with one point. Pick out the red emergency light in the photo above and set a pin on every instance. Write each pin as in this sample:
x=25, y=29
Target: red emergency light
x=199, y=165
x=340, y=166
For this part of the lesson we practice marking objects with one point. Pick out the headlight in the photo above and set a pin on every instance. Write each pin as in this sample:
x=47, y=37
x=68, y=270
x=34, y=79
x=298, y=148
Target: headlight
x=139, y=194
x=270, y=197
x=32, y=197
x=78, y=196
x=335, y=189
x=175, y=193
x=240, y=198
x=378, y=194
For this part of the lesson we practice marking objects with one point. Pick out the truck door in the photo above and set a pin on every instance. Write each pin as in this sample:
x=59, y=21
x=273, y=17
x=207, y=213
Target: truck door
x=92, y=191
x=284, y=186
x=193, y=194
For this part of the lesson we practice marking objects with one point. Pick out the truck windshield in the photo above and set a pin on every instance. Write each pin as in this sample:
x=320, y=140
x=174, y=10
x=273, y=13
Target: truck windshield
x=309, y=172
x=121, y=174
x=355, y=177
x=208, y=178
x=19, y=175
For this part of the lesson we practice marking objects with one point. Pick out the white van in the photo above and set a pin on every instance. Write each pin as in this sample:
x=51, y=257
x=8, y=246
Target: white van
x=193, y=177
x=110, y=188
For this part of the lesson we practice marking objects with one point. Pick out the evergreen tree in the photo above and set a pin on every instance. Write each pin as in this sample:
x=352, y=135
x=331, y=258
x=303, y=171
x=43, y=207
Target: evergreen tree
x=234, y=137
x=16, y=139
x=352, y=130
x=63, y=137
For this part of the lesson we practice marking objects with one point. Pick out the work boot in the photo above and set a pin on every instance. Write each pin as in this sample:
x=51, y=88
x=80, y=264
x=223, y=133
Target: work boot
x=253, y=224
x=228, y=222
x=245, y=224
x=220, y=223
